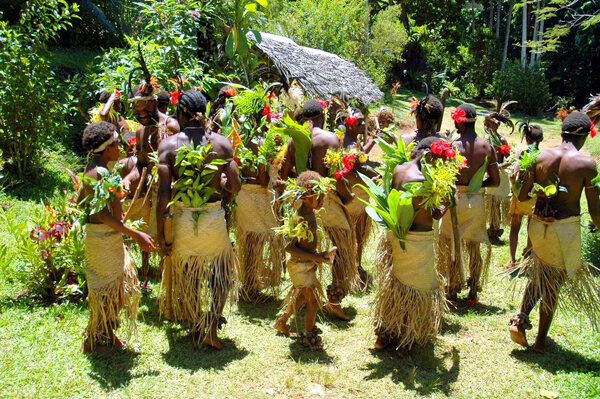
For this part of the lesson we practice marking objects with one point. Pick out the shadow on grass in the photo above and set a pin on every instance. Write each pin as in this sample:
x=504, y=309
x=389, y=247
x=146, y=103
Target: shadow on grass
x=560, y=359
x=114, y=371
x=184, y=353
x=462, y=309
x=257, y=313
x=420, y=370
x=449, y=327
x=303, y=354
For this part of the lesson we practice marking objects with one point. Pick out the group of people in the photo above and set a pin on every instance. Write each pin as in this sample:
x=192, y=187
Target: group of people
x=299, y=181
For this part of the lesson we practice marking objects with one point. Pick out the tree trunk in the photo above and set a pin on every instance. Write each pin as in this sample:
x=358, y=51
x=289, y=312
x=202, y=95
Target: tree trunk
x=535, y=35
x=491, y=16
x=498, y=19
x=538, y=56
x=507, y=36
x=524, y=36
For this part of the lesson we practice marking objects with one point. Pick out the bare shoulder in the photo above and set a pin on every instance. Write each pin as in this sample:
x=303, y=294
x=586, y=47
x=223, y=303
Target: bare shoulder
x=168, y=147
x=324, y=138
x=220, y=145
x=173, y=125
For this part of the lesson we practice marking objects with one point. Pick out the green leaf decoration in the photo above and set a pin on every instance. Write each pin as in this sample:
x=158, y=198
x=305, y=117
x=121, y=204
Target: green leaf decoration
x=250, y=102
x=476, y=181
x=302, y=140
x=528, y=158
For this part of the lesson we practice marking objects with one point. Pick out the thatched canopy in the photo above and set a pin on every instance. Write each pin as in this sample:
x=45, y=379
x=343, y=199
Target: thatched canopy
x=320, y=73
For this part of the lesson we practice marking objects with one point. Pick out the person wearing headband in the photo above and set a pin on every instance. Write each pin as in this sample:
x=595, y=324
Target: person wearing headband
x=555, y=265
x=470, y=209
x=111, y=276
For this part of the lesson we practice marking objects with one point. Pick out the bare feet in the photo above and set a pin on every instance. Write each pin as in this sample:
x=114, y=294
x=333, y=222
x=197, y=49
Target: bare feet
x=381, y=343
x=212, y=340
x=119, y=343
x=509, y=265
x=281, y=327
x=546, y=346
x=336, y=310
x=99, y=349
x=517, y=334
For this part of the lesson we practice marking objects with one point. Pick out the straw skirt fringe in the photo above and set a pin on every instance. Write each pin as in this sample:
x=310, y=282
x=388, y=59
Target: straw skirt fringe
x=471, y=223
x=408, y=309
x=337, y=226
x=254, y=219
x=556, y=265
x=204, y=267
x=112, y=283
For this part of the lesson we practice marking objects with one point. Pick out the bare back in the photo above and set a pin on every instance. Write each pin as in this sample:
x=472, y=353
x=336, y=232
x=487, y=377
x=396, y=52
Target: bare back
x=567, y=167
x=322, y=140
x=409, y=172
x=475, y=150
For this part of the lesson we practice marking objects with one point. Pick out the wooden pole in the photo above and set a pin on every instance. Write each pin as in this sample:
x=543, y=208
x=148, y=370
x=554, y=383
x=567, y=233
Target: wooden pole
x=137, y=193
x=168, y=271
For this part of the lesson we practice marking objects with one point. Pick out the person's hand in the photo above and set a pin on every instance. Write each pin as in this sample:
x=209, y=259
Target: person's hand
x=329, y=255
x=126, y=184
x=145, y=242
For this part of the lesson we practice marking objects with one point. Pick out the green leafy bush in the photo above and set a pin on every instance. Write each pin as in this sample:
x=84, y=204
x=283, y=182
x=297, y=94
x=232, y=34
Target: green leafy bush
x=526, y=85
x=590, y=246
x=34, y=101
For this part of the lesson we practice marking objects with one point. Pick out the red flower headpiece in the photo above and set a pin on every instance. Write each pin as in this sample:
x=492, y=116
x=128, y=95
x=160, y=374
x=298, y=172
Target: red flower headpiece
x=592, y=129
x=231, y=92
x=270, y=95
x=174, y=96
x=504, y=149
x=350, y=120
x=118, y=93
x=442, y=149
x=459, y=115
x=131, y=143
x=323, y=103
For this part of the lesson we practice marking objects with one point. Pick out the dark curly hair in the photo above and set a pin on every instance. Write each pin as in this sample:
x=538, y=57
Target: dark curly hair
x=429, y=109
x=307, y=178
x=163, y=97
x=95, y=134
x=311, y=109
x=193, y=102
x=576, y=124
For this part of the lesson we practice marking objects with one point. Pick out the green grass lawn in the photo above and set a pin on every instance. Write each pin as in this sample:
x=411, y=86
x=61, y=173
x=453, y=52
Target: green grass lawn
x=472, y=357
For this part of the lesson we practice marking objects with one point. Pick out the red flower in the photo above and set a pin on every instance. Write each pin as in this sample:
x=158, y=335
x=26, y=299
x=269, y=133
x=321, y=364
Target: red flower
x=39, y=234
x=131, y=141
x=449, y=153
x=339, y=174
x=274, y=115
x=592, y=129
x=174, y=96
x=118, y=93
x=350, y=121
x=438, y=147
x=76, y=186
x=270, y=95
x=348, y=161
x=459, y=115
x=231, y=92
x=111, y=189
x=504, y=149
x=236, y=160
x=323, y=103
x=463, y=164
x=266, y=111
x=194, y=15
x=277, y=139
x=45, y=254
x=120, y=193
x=70, y=280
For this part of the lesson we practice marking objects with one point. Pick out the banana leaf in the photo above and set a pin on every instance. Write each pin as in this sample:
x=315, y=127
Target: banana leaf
x=476, y=181
x=302, y=140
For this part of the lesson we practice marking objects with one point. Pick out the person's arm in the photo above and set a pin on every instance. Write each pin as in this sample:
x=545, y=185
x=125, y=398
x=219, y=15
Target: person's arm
x=297, y=252
x=230, y=178
x=107, y=107
x=528, y=180
x=173, y=125
x=164, y=196
x=342, y=187
x=493, y=172
x=591, y=195
x=369, y=146
x=289, y=161
x=144, y=240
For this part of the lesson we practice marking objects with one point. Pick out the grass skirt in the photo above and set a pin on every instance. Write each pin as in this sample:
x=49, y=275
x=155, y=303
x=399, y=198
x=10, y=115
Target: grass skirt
x=112, y=282
x=497, y=202
x=409, y=303
x=303, y=274
x=471, y=224
x=360, y=222
x=336, y=224
x=203, y=267
x=556, y=265
x=254, y=220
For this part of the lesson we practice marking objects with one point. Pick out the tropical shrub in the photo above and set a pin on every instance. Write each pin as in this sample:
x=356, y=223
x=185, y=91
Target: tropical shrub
x=526, y=85
x=34, y=102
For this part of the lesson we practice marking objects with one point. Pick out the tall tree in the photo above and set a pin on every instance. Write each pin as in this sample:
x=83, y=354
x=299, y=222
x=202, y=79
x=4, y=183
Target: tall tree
x=507, y=36
x=524, y=36
x=535, y=38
